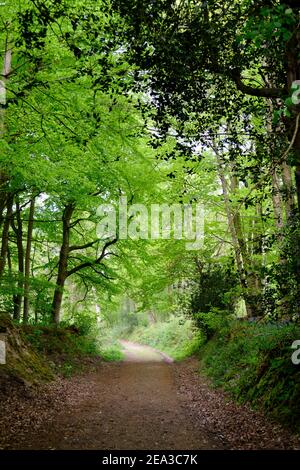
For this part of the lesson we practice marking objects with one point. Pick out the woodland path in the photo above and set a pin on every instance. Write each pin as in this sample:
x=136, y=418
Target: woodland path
x=132, y=405
x=129, y=405
x=145, y=402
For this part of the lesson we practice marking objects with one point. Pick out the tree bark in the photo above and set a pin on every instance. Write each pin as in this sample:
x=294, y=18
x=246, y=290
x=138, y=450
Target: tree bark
x=252, y=281
x=232, y=229
x=5, y=233
x=63, y=264
x=277, y=201
x=27, y=261
x=288, y=189
x=6, y=69
x=238, y=225
x=18, y=229
x=276, y=189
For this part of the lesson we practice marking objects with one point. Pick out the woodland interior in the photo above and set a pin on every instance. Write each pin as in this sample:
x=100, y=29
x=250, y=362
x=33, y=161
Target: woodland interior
x=150, y=224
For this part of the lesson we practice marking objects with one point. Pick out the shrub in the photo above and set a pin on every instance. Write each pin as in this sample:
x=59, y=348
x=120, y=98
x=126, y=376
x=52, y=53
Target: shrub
x=212, y=288
x=213, y=321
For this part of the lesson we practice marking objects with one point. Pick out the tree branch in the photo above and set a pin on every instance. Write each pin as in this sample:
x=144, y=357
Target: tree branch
x=264, y=92
x=82, y=247
x=89, y=264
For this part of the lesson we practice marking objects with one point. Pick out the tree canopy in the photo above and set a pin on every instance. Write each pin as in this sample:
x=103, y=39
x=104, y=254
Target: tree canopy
x=171, y=102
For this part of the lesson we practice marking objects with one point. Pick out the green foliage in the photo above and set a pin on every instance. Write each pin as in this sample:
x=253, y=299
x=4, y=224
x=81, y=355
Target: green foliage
x=111, y=351
x=212, y=283
x=285, y=275
x=108, y=339
x=253, y=363
x=211, y=322
x=162, y=102
x=84, y=322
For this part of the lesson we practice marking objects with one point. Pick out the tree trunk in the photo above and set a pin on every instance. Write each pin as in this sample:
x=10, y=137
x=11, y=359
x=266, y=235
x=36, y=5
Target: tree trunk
x=232, y=229
x=27, y=261
x=18, y=229
x=6, y=68
x=238, y=226
x=288, y=189
x=252, y=280
x=5, y=234
x=63, y=264
x=277, y=201
x=276, y=190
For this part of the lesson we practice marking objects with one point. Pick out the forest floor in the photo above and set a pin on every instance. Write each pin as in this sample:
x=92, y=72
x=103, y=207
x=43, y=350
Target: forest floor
x=144, y=402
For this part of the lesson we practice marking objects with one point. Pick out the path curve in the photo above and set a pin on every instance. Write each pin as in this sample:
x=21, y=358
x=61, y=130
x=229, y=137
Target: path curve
x=134, y=352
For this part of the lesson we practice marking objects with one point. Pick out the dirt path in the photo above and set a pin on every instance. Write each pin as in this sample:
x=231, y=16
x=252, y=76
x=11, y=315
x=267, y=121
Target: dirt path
x=144, y=402
x=128, y=405
x=134, y=352
x=131, y=406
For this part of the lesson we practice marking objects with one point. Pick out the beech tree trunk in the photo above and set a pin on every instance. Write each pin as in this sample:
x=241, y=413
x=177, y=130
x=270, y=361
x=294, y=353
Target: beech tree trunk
x=63, y=264
x=288, y=189
x=5, y=234
x=27, y=261
x=6, y=68
x=252, y=281
x=18, y=229
x=238, y=226
x=276, y=189
x=277, y=201
x=232, y=229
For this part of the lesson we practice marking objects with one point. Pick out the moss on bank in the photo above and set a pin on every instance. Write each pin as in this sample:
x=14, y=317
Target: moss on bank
x=253, y=362
x=23, y=363
x=35, y=354
x=67, y=349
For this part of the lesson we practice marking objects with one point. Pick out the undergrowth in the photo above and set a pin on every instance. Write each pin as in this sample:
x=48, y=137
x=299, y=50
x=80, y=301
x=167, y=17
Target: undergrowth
x=253, y=362
x=65, y=347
